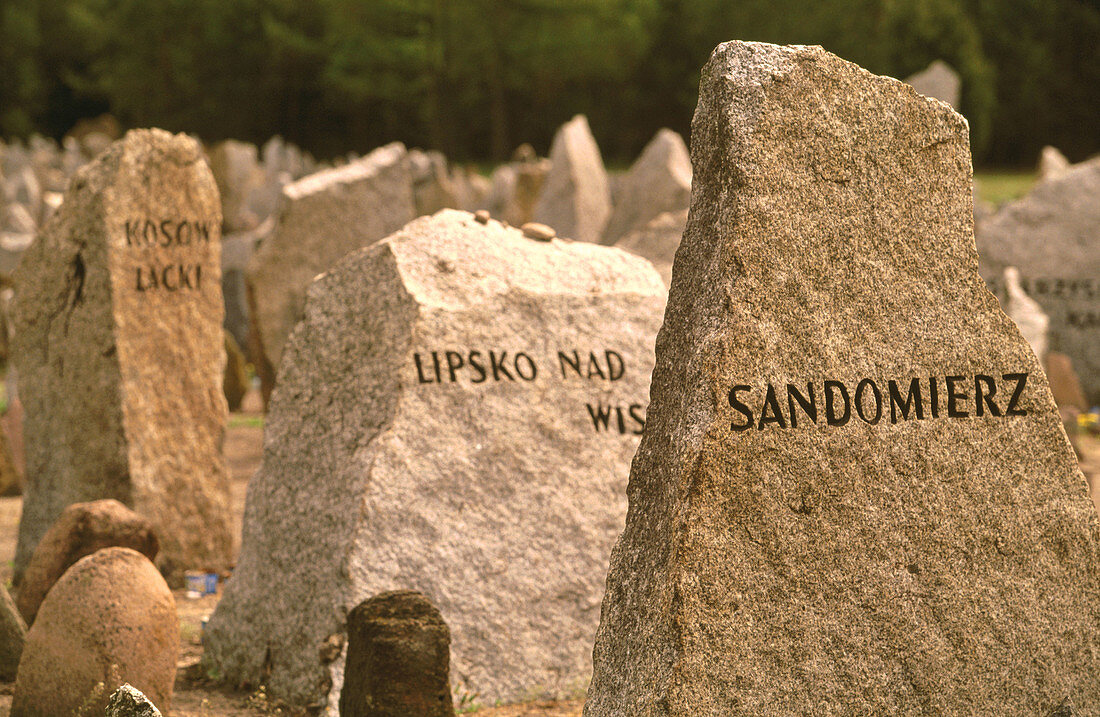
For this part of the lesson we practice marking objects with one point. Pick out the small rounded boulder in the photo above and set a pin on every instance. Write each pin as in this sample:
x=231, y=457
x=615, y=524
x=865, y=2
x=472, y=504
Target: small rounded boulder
x=109, y=620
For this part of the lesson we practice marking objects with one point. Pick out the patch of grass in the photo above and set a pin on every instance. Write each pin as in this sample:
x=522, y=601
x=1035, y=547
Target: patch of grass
x=239, y=421
x=999, y=187
x=467, y=702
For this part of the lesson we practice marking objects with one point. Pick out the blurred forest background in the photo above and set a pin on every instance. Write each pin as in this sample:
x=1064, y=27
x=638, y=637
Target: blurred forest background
x=474, y=78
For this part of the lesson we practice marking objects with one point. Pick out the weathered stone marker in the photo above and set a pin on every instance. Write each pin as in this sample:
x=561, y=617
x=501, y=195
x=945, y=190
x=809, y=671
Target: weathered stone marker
x=110, y=619
x=659, y=181
x=398, y=663
x=455, y=414
x=576, y=198
x=321, y=218
x=1052, y=235
x=854, y=495
x=119, y=350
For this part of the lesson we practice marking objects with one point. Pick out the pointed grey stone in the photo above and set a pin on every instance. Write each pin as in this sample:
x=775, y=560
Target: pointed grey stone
x=1051, y=163
x=576, y=198
x=939, y=81
x=659, y=181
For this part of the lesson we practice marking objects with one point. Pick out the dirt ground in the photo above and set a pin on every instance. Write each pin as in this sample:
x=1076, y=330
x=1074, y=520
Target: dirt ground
x=193, y=696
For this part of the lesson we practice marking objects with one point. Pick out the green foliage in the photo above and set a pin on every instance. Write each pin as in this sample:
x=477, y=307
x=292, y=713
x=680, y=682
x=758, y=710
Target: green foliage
x=21, y=84
x=474, y=78
x=238, y=420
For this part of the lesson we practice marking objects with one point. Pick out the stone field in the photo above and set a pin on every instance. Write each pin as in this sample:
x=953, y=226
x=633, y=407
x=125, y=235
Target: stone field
x=785, y=417
x=195, y=697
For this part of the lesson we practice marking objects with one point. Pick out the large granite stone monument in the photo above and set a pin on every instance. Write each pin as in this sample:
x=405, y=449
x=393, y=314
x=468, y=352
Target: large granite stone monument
x=854, y=495
x=119, y=349
x=455, y=414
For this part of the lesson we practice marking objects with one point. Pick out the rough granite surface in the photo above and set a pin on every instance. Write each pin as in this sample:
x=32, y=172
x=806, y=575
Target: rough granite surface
x=119, y=349
x=1052, y=236
x=497, y=498
x=890, y=564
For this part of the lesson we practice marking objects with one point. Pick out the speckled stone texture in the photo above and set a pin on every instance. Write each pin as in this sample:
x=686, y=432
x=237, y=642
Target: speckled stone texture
x=320, y=219
x=1052, y=235
x=118, y=344
x=889, y=564
x=576, y=197
x=659, y=181
x=496, y=495
x=128, y=701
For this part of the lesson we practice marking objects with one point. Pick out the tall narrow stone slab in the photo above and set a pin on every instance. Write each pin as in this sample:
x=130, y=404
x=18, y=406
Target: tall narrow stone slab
x=854, y=495
x=1052, y=236
x=576, y=198
x=118, y=345
x=323, y=217
x=455, y=414
x=659, y=181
